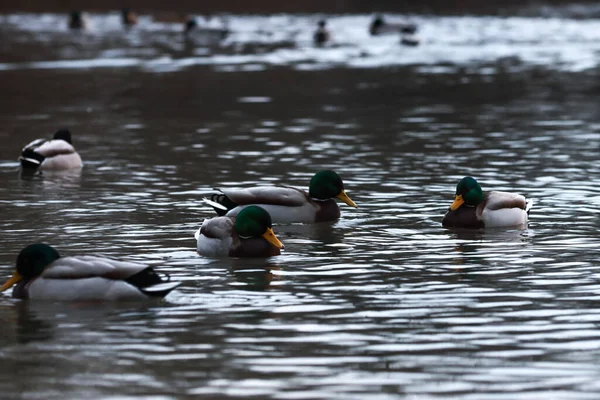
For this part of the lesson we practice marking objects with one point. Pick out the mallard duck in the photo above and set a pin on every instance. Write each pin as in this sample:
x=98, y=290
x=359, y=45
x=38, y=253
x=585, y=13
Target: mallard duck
x=321, y=35
x=42, y=274
x=211, y=30
x=78, y=20
x=287, y=204
x=380, y=27
x=250, y=234
x=128, y=17
x=474, y=208
x=55, y=154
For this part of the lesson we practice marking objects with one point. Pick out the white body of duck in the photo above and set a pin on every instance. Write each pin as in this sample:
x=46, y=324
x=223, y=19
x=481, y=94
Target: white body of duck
x=90, y=278
x=55, y=154
x=284, y=204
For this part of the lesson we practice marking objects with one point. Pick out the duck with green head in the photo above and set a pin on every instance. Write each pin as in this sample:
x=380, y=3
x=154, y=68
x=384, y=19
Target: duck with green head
x=249, y=234
x=474, y=208
x=42, y=274
x=287, y=204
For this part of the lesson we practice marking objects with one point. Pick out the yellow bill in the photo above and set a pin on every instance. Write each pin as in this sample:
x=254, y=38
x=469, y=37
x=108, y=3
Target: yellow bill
x=458, y=201
x=9, y=283
x=344, y=197
x=270, y=237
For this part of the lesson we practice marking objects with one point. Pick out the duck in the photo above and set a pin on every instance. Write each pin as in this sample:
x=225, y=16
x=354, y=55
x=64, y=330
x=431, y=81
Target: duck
x=474, y=208
x=287, y=204
x=78, y=20
x=321, y=35
x=55, y=154
x=249, y=234
x=380, y=27
x=210, y=30
x=128, y=17
x=42, y=274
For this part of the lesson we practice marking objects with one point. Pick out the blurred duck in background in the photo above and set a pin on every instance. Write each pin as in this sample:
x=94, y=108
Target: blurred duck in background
x=321, y=35
x=128, y=17
x=380, y=27
x=78, y=20
x=208, y=28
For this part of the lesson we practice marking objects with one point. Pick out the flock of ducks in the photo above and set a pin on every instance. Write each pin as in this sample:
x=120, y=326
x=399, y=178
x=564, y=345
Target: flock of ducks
x=378, y=27
x=322, y=36
x=243, y=228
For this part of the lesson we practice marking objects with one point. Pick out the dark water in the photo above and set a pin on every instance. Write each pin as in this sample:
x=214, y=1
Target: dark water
x=383, y=304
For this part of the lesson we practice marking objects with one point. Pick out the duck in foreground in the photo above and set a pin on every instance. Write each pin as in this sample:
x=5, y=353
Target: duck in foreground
x=250, y=234
x=42, y=274
x=474, y=208
x=287, y=204
x=55, y=154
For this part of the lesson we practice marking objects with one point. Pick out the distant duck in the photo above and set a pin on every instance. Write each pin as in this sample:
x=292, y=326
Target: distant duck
x=128, y=17
x=78, y=20
x=380, y=27
x=474, y=208
x=210, y=29
x=250, y=234
x=55, y=154
x=287, y=204
x=321, y=35
x=42, y=274
x=409, y=40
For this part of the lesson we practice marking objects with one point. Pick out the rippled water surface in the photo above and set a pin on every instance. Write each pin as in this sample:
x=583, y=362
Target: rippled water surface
x=384, y=303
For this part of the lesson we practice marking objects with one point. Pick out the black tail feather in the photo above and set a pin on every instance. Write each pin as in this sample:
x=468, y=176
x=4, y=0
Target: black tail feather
x=151, y=283
x=31, y=159
x=224, y=201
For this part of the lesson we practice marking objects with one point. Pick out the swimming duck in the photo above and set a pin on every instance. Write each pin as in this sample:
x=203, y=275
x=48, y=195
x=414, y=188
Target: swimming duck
x=42, y=274
x=55, y=154
x=211, y=30
x=78, y=20
x=321, y=35
x=128, y=17
x=380, y=27
x=474, y=208
x=250, y=234
x=287, y=204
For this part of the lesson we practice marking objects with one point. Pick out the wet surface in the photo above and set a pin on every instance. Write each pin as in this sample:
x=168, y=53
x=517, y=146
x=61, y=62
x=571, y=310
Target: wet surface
x=384, y=303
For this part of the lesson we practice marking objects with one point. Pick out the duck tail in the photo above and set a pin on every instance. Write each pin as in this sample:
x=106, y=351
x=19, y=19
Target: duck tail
x=221, y=203
x=31, y=159
x=528, y=206
x=151, y=283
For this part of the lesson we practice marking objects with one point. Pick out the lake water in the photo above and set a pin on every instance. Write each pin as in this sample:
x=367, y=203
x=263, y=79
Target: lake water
x=384, y=303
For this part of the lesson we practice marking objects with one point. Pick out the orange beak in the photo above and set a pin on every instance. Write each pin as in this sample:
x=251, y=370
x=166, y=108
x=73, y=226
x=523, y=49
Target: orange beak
x=458, y=201
x=344, y=197
x=9, y=283
x=270, y=237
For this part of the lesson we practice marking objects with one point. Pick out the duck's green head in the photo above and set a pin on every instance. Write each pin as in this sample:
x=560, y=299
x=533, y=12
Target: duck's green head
x=468, y=192
x=31, y=262
x=327, y=185
x=255, y=222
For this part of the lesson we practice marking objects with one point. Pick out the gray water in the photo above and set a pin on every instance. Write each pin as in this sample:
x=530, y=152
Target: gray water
x=382, y=304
